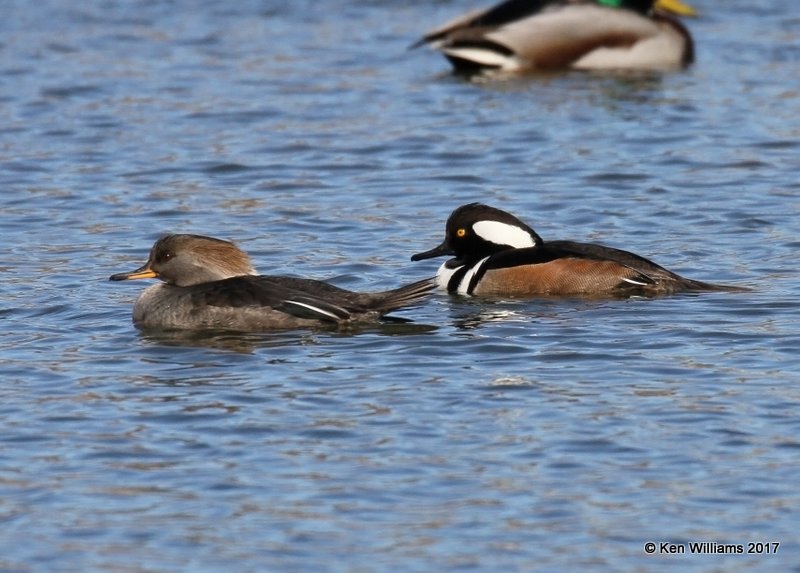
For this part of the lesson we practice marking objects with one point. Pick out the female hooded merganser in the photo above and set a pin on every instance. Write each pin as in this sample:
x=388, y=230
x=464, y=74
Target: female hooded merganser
x=211, y=284
x=526, y=35
x=499, y=255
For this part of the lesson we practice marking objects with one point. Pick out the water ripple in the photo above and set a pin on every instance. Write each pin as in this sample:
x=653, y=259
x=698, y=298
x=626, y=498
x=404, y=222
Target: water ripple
x=513, y=435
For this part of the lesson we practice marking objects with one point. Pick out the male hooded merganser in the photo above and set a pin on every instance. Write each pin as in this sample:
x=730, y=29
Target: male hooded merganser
x=527, y=35
x=211, y=284
x=499, y=255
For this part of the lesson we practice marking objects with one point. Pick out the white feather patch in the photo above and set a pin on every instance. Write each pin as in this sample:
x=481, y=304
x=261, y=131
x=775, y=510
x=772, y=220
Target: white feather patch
x=444, y=274
x=483, y=57
x=463, y=286
x=504, y=234
x=314, y=309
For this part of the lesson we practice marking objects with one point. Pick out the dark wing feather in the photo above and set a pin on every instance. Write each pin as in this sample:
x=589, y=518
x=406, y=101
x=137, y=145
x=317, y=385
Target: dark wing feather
x=236, y=292
x=643, y=270
x=603, y=253
x=646, y=271
x=511, y=11
x=286, y=294
x=306, y=298
x=499, y=15
x=303, y=306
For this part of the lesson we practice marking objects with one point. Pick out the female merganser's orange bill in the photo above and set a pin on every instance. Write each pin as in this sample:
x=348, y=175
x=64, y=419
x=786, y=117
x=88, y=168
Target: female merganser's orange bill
x=209, y=283
x=498, y=255
x=528, y=35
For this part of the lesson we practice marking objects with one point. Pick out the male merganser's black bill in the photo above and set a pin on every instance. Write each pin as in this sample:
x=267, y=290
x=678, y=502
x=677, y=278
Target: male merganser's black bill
x=437, y=251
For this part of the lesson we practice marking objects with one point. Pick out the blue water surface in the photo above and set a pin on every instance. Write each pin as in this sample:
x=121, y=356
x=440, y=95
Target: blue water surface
x=538, y=435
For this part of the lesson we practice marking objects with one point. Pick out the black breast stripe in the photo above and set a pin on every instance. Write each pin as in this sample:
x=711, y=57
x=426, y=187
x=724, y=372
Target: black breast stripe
x=458, y=276
x=476, y=278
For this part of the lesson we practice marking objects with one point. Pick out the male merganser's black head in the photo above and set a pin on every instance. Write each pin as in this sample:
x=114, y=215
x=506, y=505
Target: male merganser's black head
x=476, y=231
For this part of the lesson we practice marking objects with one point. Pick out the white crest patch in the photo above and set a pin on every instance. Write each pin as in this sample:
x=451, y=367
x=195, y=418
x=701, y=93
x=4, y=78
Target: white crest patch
x=504, y=234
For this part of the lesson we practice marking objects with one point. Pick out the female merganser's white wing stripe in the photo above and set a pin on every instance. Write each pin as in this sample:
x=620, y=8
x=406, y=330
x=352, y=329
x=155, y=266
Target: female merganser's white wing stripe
x=315, y=310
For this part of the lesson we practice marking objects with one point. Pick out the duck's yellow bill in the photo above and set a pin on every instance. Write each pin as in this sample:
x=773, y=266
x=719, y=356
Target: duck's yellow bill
x=143, y=273
x=675, y=7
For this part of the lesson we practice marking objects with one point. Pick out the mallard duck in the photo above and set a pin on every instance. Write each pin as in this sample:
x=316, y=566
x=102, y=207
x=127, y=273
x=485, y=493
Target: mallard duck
x=527, y=35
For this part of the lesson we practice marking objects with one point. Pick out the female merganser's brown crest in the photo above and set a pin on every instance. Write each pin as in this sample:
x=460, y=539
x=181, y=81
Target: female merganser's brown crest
x=209, y=283
x=496, y=254
x=186, y=260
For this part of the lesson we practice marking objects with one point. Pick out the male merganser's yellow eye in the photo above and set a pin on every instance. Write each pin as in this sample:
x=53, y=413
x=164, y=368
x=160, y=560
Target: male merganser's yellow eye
x=461, y=232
